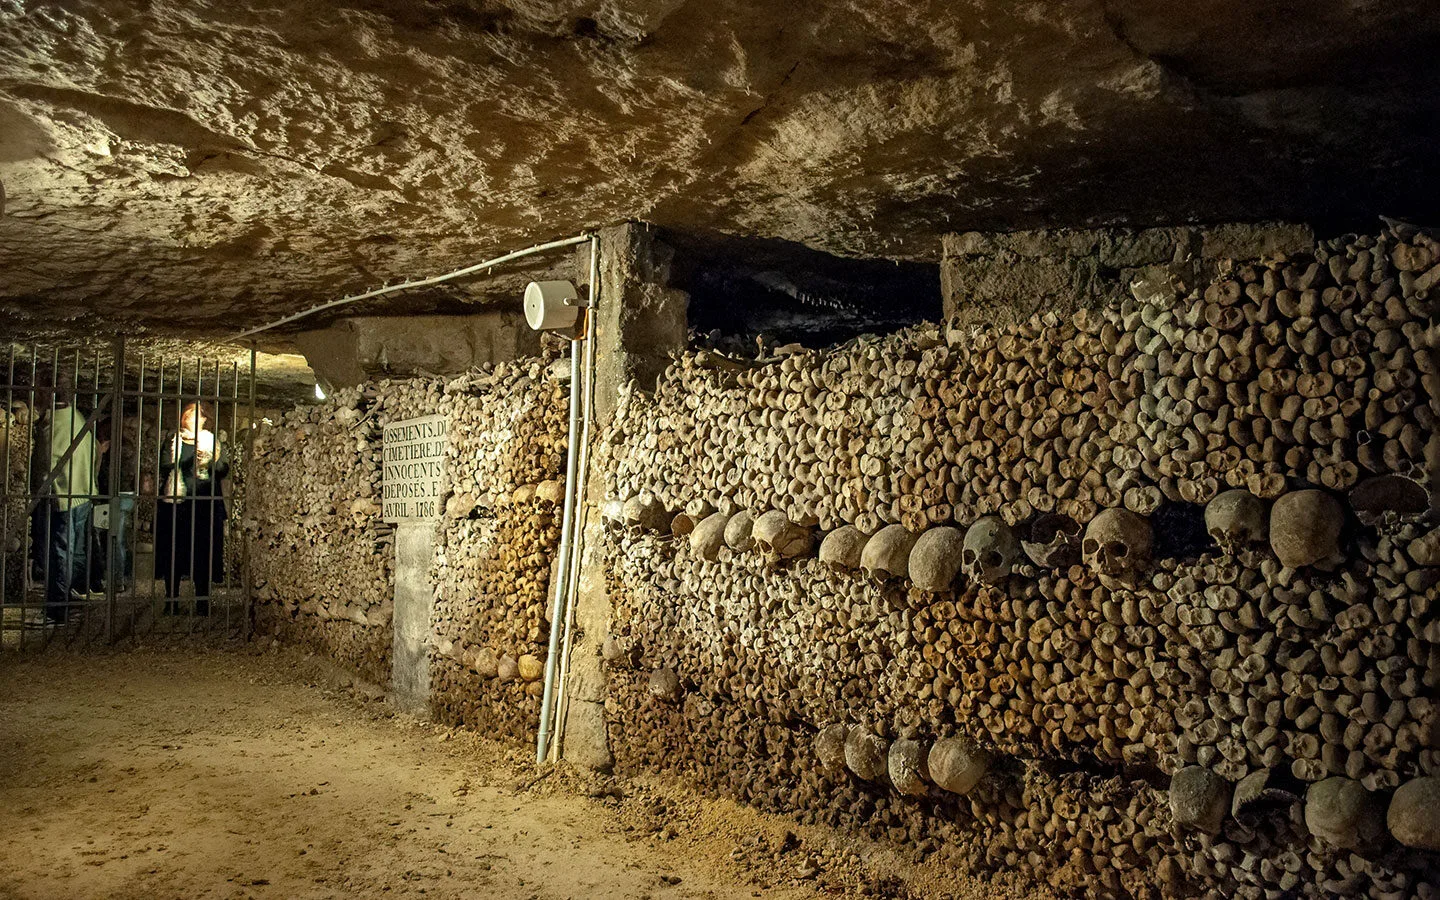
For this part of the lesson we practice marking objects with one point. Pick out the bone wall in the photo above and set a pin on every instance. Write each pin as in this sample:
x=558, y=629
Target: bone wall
x=1139, y=599
x=495, y=546
x=323, y=562
x=1003, y=278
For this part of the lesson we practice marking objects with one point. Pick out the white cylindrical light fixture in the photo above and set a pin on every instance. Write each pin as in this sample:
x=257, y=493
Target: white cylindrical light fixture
x=552, y=305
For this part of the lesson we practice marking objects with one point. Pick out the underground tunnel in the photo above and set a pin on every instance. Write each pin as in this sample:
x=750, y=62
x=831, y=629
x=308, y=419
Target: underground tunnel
x=620, y=449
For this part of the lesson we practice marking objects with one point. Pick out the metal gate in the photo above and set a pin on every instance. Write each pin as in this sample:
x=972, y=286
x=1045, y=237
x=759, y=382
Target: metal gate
x=123, y=474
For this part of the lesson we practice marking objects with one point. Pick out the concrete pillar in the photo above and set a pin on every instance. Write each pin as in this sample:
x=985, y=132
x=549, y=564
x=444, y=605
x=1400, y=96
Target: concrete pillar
x=640, y=323
x=414, y=605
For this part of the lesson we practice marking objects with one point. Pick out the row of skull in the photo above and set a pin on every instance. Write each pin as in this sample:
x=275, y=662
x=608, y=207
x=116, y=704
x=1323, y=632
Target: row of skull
x=1302, y=527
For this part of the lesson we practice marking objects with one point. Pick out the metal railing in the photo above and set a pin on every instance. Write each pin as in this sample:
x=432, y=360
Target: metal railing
x=121, y=470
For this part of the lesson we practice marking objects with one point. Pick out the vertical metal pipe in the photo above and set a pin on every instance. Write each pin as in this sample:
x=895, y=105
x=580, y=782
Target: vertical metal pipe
x=566, y=524
x=578, y=543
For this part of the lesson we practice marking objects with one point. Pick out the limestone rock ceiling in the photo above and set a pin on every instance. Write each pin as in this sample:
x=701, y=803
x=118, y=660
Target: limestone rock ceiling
x=193, y=167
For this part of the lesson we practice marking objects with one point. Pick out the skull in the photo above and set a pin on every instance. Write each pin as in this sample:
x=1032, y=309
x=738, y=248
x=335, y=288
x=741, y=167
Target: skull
x=739, y=532
x=830, y=748
x=709, y=536
x=780, y=538
x=990, y=550
x=645, y=513
x=935, y=559
x=1305, y=528
x=842, y=547
x=866, y=754
x=1394, y=495
x=887, y=554
x=1054, y=541
x=1117, y=542
x=1237, y=519
x=909, y=768
x=664, y=684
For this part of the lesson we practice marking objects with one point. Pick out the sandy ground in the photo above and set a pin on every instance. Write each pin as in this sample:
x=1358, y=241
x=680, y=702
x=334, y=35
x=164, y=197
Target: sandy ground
x=235, y=773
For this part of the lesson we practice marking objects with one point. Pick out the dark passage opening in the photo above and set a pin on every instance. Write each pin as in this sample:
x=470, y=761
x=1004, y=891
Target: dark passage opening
x=746, y=290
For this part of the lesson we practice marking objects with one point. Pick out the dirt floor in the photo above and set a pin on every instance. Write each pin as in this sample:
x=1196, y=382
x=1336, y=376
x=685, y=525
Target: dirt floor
x=239, y=773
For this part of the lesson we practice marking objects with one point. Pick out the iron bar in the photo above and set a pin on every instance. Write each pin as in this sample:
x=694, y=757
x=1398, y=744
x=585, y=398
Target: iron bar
x=245, y=532
x=11, y=429
x=112, y=525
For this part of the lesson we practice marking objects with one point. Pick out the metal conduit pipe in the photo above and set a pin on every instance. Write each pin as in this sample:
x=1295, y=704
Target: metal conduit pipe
x=576, y=463
x=571, y=602
x=423, y=282
x=567, y=524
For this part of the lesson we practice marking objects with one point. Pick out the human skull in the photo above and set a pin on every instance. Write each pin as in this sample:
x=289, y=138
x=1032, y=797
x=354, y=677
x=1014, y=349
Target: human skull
x=935, y=559
x=739, y=532
x=990, y=550
x=957, y=764
x=1054, y=541
x=1388, y=495
x=909, y=769
x=646, y=513
x=1305, y=528
x=866, y=754
x=1117, y=542
x=887, y=554
x=780, y=538
x=1237, y=519
x=709, y=536
x=830, y=748
x=842, y=547
x=664, y=684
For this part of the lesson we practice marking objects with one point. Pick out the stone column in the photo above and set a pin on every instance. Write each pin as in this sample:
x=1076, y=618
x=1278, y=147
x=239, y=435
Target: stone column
x=414, y=605
x=640, y=323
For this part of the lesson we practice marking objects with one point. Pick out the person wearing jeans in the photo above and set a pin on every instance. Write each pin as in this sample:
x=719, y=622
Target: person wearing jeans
x=67, y=513
x=69, y=535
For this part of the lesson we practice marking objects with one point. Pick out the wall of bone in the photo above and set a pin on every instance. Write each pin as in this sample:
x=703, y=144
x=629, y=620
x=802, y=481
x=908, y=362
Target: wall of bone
x=1140, y=599
x=323, y=562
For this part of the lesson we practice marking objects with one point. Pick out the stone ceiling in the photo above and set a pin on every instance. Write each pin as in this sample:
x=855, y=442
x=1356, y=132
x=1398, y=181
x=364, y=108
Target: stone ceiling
x=192, y=168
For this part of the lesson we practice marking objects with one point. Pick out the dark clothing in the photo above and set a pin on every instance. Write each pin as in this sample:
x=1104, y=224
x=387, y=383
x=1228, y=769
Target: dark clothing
x=69, y=535
x=190, y=531
x=121, y=514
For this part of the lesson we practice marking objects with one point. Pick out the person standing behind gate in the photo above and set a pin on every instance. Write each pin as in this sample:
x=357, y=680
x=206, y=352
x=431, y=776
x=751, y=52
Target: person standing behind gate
x=190, y=518
x=66, y=523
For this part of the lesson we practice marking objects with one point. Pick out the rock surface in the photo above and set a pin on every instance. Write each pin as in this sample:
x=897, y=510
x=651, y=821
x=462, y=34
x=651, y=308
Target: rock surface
x=199, y=166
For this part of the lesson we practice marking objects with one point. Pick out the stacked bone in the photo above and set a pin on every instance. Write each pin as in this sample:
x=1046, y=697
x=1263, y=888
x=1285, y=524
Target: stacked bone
x=1292, y=645
x=321, y=560
x=15, y=446
x=495, y=545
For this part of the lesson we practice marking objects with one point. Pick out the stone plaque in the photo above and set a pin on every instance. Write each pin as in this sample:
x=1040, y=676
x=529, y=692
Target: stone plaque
x=414, y=460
